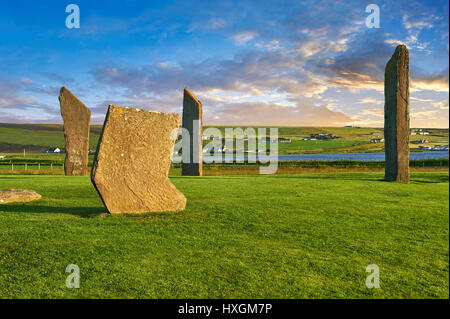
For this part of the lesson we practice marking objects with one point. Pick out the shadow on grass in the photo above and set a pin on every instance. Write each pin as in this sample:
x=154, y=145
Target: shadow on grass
x=431, y=178
x=15, y=176
x=437, y=179
x=172, y=215
x=92, y=212
x=209, y=177
x=334, y=176
x=85, y=212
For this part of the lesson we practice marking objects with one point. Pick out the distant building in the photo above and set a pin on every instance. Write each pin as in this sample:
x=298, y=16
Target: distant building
x=268, y=139
x=441, y=148
x=419, y=142
x=377, y=140
x=418, y=132
x=2, y=157
x=323, y=136
x=284, y=140
x=54, y=150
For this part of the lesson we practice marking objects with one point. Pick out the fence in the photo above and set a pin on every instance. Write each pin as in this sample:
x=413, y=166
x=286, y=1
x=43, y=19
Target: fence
x=30, y=166
x=442, y=163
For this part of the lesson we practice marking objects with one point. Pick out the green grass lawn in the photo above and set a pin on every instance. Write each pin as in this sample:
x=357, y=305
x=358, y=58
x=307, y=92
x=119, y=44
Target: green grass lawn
x=317, y=145
x=296, y=236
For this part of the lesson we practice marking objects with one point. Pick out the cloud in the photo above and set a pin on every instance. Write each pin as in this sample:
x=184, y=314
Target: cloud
x=266, y=114
x=279, y=73
x=255, y=72
x=443, y=105
x=216, y=23
x=18, y=106
x=243, y=37
x=295, y=62
x=375, y=112
x=418, y=21
x=369, y=100
x=359, y=67
x=437, y=82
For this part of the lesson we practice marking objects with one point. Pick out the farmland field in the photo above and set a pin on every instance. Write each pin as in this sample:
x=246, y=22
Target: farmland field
x=280, y=236
x=34, y=138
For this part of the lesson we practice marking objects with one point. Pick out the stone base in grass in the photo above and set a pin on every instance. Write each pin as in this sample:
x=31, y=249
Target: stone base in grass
x=18, y=195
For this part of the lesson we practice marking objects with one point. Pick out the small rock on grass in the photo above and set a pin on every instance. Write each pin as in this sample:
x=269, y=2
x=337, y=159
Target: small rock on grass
x=18, y=195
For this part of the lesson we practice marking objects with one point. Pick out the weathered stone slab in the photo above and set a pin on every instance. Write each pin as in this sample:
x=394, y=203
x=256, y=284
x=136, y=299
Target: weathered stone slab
x=76, y=118
x=18, y=195
x=130, y=170
x=396, y=116
x=192, y=123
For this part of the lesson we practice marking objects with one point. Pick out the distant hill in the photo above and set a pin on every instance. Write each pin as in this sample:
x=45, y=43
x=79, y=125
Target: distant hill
x=35, y=138
x=14, y=138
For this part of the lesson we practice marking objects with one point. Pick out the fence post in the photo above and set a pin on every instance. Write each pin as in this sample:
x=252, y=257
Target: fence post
x=39, y=166
x=51, y=165
x=12, y=166
x=26, y=166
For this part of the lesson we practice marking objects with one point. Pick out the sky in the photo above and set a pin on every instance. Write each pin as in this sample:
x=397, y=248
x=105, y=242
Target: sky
x=266, y=63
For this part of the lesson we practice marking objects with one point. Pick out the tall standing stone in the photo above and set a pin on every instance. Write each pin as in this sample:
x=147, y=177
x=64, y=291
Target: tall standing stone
x=130, y=170
x=396, y=116
x=76, y=118
x=192, y=143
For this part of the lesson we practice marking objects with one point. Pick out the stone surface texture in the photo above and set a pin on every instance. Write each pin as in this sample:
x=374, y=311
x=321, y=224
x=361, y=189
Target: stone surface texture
x=76, y=118
x=192, y=111
x=130, y=170
x=18, y=195
x=396, y=116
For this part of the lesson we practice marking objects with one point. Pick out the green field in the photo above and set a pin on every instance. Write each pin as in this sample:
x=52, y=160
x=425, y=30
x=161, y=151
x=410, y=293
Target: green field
x=283, y=236
x=15, y=138
x=34, y=138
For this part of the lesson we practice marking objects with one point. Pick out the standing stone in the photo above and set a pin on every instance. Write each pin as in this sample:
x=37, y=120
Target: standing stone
x=396, y=116
x=130, y=170
x=76, y=118
x=192, y=144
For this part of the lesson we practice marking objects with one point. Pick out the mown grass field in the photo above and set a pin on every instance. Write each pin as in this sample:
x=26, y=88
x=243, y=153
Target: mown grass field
x=14, y=138
x=283, y=236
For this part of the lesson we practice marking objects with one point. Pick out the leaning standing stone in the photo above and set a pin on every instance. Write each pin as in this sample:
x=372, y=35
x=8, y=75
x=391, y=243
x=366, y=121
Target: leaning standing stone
x=192, y=143
x=130, y=170
x=396, y=116
x=18, y=195
x=76, y=118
